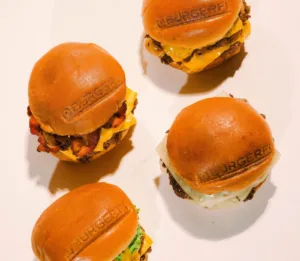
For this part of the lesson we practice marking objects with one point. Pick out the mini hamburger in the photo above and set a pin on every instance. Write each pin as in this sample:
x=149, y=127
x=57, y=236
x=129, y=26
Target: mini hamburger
x=79, y=104
x=91, y=223
x=218, y=152
x=195, y=35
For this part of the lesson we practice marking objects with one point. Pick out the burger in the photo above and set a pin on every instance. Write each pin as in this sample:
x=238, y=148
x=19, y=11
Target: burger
x=218, y=152
x=79, y=104
x=195, y=35
x=91, y=223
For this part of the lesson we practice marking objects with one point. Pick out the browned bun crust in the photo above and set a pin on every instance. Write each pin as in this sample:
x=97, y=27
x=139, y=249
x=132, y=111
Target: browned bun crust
x=96, y=221
x=63, y=157
x=220, y=144
x=196, y=24
x=75, y=88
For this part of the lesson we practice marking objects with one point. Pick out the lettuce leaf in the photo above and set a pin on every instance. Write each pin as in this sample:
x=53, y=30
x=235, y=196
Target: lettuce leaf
x=135, y=244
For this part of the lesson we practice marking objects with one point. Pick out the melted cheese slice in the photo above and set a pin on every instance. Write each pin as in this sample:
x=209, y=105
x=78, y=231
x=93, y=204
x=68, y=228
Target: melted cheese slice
x=180, y=53
x=236, y=27
x=127, y=256
x=147, y=244
x=129, y=121
x=199, y=62
x=177, y=53
x=69, y=153
x=106, y=134
x=136, y=256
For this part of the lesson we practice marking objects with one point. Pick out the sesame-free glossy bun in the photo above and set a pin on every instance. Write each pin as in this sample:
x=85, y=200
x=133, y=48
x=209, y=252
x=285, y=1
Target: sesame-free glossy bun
x=190, y=24
x=220, y=144
x=94, y=222
x=75, y=88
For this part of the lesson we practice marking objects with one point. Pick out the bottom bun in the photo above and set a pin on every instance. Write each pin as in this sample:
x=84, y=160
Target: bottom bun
x=97, y=155
x=234, y=50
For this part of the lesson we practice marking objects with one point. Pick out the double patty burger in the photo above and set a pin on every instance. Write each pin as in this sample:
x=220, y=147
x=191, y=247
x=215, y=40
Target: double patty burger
x=79, y=105
x=195, y=35
x=96, y=222
x=218, y=152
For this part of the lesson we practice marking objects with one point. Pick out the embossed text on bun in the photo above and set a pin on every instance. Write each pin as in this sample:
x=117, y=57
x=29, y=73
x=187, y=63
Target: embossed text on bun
x=194, y=15
x=96, y=230
x=242, y=163
x=91, y=98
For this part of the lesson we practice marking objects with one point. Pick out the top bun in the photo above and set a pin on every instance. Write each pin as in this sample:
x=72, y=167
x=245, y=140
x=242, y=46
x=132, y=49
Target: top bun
x=190, y=24
x=220, y=144
x=75, y=88
x=94, y=222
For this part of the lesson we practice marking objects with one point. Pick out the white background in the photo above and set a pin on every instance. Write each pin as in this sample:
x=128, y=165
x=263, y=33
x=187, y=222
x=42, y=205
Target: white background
x=266, y=229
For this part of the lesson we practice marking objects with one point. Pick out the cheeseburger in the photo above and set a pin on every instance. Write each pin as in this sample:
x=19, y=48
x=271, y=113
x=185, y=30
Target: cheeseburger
x=79, y=104
x=96, y=222
x=218, y=152
x=195, y=35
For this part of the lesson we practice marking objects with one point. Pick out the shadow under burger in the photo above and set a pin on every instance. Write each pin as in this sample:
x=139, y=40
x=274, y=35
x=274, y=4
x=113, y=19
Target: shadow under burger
x=218, y=152
x=71, y=176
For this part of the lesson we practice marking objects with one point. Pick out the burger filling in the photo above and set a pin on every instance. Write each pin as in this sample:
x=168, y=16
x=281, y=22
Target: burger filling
x=138, y=249
x=219, y=200
x=83, y=148
x=195, y=60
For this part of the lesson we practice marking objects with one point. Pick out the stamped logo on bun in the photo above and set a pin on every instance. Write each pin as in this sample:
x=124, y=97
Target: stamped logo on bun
x=96, y=230
x=201, y=13
x=247, y=161
x=93, y=222
x=91, y=98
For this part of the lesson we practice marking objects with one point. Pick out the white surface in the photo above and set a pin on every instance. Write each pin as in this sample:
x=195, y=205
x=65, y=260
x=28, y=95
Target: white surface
x=267, y=228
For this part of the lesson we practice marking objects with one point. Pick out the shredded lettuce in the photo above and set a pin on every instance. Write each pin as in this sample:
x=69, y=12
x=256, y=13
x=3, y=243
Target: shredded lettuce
x=137, y=209
x=135, y=244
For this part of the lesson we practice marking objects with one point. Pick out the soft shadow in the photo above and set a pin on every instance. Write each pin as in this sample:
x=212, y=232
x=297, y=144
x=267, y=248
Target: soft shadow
x=142, y=51
x=211, y=79
x=41, y=165
x=176, y=81
x=215, y=225
x=71, y=175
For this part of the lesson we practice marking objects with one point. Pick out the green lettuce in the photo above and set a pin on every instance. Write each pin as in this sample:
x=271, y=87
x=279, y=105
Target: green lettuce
x=136, y=243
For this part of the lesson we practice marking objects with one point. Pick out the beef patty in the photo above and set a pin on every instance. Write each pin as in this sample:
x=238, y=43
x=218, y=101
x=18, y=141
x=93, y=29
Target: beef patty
x=144, y=257
x=176, y=187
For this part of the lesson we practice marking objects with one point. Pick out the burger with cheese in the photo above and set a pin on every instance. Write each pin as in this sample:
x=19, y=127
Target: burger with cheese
x=195, y=35
x=91, y=223
x=218, y=152
x=79, y=104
